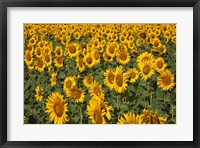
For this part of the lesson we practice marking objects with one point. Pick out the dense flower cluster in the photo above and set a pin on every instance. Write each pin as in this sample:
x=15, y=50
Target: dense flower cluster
x=100, y=73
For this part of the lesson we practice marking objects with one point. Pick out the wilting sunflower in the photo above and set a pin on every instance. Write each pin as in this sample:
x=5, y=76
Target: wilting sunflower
x=145, y=57
x=95, y=113
x=96, y=91
x=76, y=93
x=39, y=65
x=80, y=64
x=148, y=117
x=159, y=64
x=89, y=60
x=133, y=75
x=57, y=108
x=146, y=70
x=58, y=61
x=173, y=39
x=120, y=81
x=109, y=77
x=166, y=80
x=128, y=118
x=73, y=49
x=123, y=57
x=111, y=49
x=38, y=93
x=53, y=79
x=69, y=82
x=88, y=81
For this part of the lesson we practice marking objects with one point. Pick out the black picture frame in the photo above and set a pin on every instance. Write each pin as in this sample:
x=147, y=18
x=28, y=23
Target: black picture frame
x=4, y=4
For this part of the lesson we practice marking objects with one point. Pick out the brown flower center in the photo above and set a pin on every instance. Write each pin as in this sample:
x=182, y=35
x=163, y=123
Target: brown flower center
x=59, y=108
x=119, y=79
x=111, y=77
x=166, y=80
x=123, y=56
x=146, y=69
x=159, y=64
x=72, y=49
x=132, y=74
x=89, y=60
x=97, y=117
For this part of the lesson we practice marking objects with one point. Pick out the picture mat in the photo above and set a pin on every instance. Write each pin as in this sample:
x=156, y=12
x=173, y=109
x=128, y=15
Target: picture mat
x=181, y=131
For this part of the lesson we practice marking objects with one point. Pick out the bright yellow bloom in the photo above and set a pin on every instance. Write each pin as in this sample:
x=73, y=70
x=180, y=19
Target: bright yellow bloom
x=38, y=93
x=109, y=77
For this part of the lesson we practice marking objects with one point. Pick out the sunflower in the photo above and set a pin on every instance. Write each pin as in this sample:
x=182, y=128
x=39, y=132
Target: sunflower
x=107, y=58
x=156, y=42
x=48, y=59
x=123, y=57
x=96, y=91
x=95, y=113
x=38, y=52
x=57, y=108
x=39, y=65
x=159, y=64
x=76, y=93
x=109, y=78
x=58, y=51
x=128, y=118
x=146, y=70
x=89, y=60
x=31, y=65
x=166, y=80
x=145, y=57
x=162, y=49
x=72, y=49
x=133, y=75
x=80, y=64
x=28, y=57
x=148, y=117
x=53, y=79
x=69, y=82
x=58, y=61
x=111, y=49
x=88, y=81
x=173, y=39
x=38, y=93
x=96, y=56
x=106, y=109
x=120, y=80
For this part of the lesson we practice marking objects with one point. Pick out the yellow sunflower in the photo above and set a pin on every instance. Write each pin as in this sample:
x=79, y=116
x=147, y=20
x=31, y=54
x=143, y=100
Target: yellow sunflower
x=89, y=60
x=109, y=77
x=166, y=80
x=53, y=79
x=80, y=64
x=48, y=59
x=58, y=51
x=133, y=75
x=38, y=93
x=57, y=108
x=38, y=52
x=96, y=91
x=123, y=57
x=95, y=113
x=72, y=49
x=107, y=58
x=58, y=61
x=111, y=49
x=96, y=56
x=146, y=70
x=76, y=93
x=88, y=81
x=69, y=82
x=145, y=57
x=28, y=57
x=129, y=118
x=159, y=64
x=39, y=65
x=156, y=43
x=120, y=81
x=31, y=65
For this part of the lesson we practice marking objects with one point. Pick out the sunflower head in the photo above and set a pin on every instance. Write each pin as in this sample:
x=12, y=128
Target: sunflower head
x=53, y=79
x=77, y=94
x=88, y=81
x=58, y=61
x=123, y=57
x=39, y=64
x=133, y=75
x=89, y=60
x=128, y=118
x=146, y=70
x=69, y=82
x=96, y=91
x=38, y=93
x=72, y=49
x=159, y=64
x=109, y=77
x=80, y=64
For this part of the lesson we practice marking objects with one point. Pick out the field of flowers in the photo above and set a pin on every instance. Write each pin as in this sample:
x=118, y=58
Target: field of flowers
x=99, y=73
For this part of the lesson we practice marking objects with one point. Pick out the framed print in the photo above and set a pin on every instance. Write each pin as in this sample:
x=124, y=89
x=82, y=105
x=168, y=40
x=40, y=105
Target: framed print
x=103, y=73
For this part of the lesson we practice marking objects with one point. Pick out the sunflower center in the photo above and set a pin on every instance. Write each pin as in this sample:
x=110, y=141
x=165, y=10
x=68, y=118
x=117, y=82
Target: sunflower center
x=58, y=52
x=28, y=57
x=160, y=64
x=143, y=35
x=58, y=108
x=39, y=63
x=89, y=80
x=97, y=91
x=112, y=49
x=89, y=60
x=156, y=44
x=161, y=49
x=68, y=84
x=54, y=79
x=76, y=94
x=72, y=49
x=119, y=79
x=60, y=60
x=95, y=43
x=123, y=56
x=97, y=117
x=96, y=55
x=108, y=57
x=111, y=77
x=146, y=70
x=132, y=74
x=38, y=52
x=80, y=62
x=103, y=106
x=47, y=59
x=166, y=80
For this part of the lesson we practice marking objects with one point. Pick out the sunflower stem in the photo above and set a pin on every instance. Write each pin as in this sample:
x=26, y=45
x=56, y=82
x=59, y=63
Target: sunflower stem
x=81, y=115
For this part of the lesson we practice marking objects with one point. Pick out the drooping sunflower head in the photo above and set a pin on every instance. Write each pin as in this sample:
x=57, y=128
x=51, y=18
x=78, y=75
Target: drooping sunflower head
x=57, y=108
x=38, y=93
x=166, y=80
x=109, y=77
x=133, y=75
x=120, y=81
x=123, y=57
x=77, y=94
x=146, y=70
x=88, y=81
x=159, y=64
x=96, y=91
x=69, y=82
x=53, y=79
x=128, y=118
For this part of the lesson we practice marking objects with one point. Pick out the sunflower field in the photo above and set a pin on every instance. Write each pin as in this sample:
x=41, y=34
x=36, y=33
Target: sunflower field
x=99, y=73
